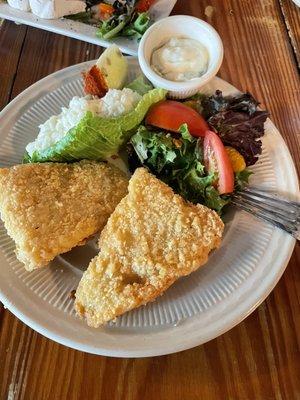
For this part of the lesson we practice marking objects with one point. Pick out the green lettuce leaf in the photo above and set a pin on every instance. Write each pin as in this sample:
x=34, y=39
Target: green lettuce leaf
x=184, y=131
x=112, y=27
x=242, y=179
x=140, y=86
x=214, y=200
x=139, y=24
x=96, y=137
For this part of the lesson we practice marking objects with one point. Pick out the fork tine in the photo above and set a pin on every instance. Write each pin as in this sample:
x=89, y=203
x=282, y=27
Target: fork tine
x=281, y=206
x=272, y=209
x=293, y=230
x=272, y=197
x=255, y=208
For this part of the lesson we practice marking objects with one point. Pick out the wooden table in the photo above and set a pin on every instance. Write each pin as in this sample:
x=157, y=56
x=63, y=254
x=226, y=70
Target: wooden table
x=258, y=359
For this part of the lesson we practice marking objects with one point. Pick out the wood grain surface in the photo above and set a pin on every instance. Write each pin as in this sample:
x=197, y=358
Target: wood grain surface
x=291, y=15
x=11, y=42
x=259, y=358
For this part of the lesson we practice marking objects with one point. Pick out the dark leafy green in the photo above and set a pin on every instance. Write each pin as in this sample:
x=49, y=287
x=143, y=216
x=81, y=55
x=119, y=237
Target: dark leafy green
x=237, y=121
x=178, y=161
x=124, y=6
x=218, y=103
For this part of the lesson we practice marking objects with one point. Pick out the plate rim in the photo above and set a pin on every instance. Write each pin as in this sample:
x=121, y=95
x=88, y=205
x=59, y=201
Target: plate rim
x=261, y=293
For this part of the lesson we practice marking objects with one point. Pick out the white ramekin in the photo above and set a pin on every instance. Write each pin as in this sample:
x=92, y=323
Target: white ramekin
x=182, y=26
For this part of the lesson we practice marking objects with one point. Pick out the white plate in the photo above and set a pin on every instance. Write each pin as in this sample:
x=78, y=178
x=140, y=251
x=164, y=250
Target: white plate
x=78, y=30
x=237, y=278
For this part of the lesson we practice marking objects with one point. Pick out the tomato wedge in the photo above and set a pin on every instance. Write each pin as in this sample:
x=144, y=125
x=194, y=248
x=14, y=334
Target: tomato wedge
x=216, y=160
x=170, y=115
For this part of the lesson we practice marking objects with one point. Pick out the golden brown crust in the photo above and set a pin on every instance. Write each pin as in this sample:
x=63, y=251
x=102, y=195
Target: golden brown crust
x=152, y=238
x=49, y=208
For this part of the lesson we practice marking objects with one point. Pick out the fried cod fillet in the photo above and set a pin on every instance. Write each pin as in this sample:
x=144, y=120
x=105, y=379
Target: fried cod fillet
x=50, y=208
x=152, y=238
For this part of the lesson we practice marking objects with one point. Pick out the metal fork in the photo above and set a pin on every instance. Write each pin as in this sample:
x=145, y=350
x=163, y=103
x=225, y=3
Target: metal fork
x=283, y=213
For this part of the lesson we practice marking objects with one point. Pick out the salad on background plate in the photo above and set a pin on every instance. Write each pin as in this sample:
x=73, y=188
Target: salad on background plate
x=129, y=18
x=94, y=21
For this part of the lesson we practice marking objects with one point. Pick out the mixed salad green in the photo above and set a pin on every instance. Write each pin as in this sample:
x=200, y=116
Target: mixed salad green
x=237, y=121
x=179, y=162
x=205, y=159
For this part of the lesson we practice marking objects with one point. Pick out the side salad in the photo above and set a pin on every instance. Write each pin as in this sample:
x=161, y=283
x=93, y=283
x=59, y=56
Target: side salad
x=128, y=18
x=201, y=147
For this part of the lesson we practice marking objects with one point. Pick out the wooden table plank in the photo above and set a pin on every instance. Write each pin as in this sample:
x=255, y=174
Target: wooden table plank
x=258, y=359
x=291, y=14
x=243, y=363
x=50, y=53
x=11, y=41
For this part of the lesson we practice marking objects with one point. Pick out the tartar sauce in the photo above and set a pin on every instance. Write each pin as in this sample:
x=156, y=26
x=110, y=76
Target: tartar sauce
x=180, y=59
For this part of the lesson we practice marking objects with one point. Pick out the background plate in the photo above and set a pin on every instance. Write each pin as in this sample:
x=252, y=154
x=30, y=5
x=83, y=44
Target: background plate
x=78, y=30
x=194, y=310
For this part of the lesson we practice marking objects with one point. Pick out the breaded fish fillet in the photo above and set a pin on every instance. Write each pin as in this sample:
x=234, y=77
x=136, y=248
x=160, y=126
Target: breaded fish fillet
x=152, y=238
x=49, y=208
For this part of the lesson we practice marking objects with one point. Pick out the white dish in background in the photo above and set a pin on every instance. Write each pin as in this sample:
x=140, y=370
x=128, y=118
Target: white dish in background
x=197, y=308
x=181, y=26
x=78, y=30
